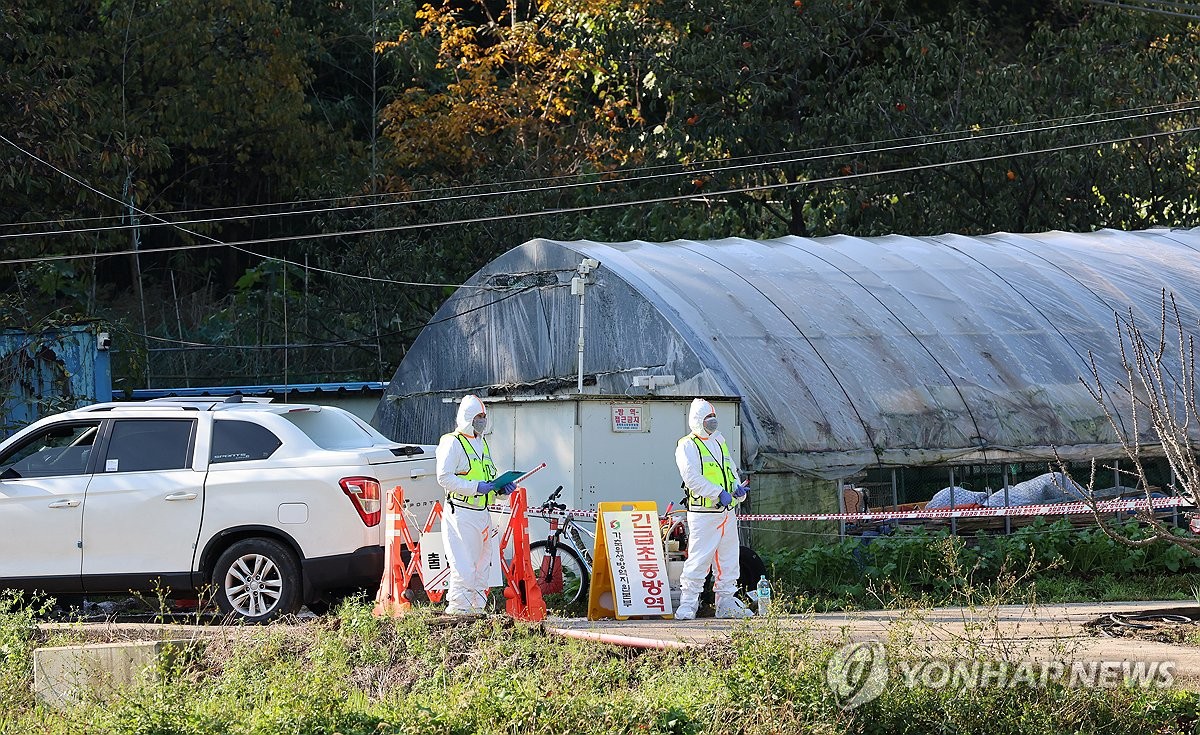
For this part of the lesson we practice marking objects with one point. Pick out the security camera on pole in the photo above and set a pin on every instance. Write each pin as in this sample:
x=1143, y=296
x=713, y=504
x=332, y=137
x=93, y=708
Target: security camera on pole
x=578, y=285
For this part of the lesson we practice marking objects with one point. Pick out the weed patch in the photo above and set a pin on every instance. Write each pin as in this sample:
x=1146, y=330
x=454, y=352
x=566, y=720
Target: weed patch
x=1050, y=562
x=354, y=674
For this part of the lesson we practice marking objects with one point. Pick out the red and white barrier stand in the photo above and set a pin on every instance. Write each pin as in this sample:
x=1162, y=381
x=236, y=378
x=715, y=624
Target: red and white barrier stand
x=524, y=598
x=521, y=591
x=394, y=598
x=434, y=583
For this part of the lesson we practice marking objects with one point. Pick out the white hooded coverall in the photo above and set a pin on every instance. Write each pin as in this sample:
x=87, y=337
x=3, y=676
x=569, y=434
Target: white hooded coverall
x=712, y=534
x=470, y=546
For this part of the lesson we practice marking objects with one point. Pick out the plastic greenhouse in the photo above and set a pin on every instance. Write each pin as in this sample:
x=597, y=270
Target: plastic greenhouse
x=850, y=357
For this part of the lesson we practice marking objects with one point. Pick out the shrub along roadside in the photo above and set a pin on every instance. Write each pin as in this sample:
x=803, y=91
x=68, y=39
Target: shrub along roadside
x=18, y=633
x=1048, y=562
x=355, y=674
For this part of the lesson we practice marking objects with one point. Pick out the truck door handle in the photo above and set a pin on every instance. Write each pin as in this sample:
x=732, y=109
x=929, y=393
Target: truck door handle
x=414, y=474
x=180, y=496
x=72, y=503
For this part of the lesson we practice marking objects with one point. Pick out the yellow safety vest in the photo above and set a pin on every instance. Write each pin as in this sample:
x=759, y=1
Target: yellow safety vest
x=718, y=471
x=482, y=469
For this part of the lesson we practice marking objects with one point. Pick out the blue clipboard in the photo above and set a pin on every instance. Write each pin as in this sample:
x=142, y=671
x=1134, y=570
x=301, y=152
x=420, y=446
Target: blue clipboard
x=507, y=477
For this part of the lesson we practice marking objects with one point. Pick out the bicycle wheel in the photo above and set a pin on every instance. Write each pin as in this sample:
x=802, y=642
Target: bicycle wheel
x=574, y=586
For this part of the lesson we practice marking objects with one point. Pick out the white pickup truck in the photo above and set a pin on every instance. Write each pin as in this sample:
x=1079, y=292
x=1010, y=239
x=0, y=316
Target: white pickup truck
x=265, y=506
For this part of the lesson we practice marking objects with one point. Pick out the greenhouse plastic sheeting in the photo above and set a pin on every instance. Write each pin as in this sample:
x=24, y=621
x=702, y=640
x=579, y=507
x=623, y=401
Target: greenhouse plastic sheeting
x=845, y=351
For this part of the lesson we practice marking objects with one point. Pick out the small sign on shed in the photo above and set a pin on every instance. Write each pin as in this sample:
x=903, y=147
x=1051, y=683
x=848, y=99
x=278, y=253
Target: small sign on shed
x=629, y=418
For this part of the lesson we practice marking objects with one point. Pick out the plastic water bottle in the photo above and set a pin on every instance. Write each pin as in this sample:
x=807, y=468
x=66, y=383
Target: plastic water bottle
x=763, y=595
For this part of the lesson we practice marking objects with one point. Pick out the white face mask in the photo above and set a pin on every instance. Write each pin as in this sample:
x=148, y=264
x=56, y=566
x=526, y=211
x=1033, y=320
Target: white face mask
x=479, y=425
x=710, y=424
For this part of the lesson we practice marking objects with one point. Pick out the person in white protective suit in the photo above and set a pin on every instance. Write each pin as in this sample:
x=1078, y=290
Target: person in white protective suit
x=465, y=471
x=714, y=489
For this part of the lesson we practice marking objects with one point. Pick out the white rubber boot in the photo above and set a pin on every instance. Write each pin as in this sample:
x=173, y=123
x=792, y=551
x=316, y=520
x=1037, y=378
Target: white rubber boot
x=729, y=606
x=688, y=605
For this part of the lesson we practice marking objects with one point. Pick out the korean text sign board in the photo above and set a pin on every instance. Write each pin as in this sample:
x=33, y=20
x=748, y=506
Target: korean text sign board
x=637, y=564
x=629, y=418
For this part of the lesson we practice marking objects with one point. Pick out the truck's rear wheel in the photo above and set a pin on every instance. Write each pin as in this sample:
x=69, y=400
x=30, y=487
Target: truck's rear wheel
x=257, y=580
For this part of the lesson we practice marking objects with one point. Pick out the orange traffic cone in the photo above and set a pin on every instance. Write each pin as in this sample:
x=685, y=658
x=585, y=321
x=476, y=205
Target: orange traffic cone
x=394, y=598
x=524, y=597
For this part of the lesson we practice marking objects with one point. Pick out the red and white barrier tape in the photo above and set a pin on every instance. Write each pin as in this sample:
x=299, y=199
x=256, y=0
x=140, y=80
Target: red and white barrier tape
x=1051, y=509
x=559, y=514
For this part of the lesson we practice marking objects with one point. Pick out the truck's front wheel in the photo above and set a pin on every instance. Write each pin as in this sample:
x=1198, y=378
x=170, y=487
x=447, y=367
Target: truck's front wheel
x=256, y=580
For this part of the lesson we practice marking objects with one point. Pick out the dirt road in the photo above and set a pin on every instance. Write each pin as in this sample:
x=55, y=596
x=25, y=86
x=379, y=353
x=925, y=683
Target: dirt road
x=1113, y=631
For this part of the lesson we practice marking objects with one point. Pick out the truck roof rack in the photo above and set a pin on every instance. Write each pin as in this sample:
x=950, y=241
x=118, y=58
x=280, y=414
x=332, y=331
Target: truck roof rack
x=101, y=407
x=209, y=400
x=182, y=403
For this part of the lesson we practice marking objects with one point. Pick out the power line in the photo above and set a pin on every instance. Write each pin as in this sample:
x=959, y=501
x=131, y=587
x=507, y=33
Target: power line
x=1170, y=4
x=213, y=242
x=605, y=206
x=772, y=159
x=1000, y=132
x=1149, y=8
x=187, y=345
x=779, y=158
x=507, y=185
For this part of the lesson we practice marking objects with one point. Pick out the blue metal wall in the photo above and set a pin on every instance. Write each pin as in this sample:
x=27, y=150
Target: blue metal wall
x=51, y=371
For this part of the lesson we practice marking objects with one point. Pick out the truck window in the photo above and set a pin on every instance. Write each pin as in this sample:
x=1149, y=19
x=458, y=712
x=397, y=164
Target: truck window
x=241, y=441
x=59, y=450
x=334, y=429
x=143, y=445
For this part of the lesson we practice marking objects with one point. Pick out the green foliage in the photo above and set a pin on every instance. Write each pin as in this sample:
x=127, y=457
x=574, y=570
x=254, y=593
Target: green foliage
x=859, y=88
x=358, y=675
x=232, y=104
x=1026, y=710
x=214, y=96
x=18, y=638
x=945, y=568
x=46, y=89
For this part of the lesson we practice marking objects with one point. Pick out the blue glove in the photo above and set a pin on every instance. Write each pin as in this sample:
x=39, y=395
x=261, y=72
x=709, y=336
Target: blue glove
x=724, y=498
x=483, y=488
x=740, y=491
x=508, y=489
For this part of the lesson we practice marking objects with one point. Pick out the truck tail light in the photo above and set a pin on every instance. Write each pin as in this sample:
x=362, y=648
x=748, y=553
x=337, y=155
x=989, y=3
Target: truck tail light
x=364, y=493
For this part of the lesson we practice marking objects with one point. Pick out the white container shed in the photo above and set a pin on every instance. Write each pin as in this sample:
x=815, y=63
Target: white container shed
x=599, y=448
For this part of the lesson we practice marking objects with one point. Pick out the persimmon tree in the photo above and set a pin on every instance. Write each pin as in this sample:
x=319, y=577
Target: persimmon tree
x=917, y=119
x=502, y=100
x=504, y=88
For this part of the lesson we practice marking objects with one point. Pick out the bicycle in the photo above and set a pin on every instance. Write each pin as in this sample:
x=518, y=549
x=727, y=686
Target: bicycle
x=562, y=562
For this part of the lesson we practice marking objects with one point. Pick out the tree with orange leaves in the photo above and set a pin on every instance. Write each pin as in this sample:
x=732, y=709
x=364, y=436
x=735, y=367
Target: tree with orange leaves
x=522, y=88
